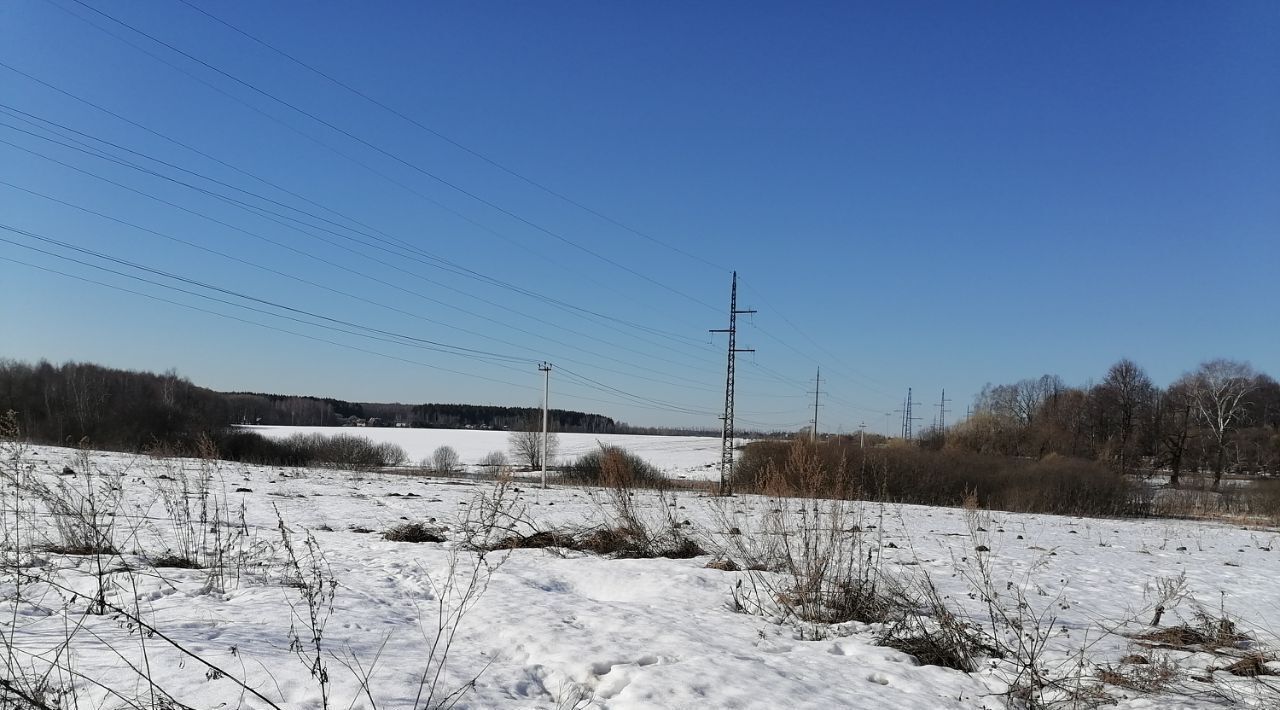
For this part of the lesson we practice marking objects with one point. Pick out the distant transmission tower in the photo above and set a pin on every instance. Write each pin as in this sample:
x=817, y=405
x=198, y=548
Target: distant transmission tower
x=908, y=421
x=942, y=411
x=817, y=388
x=726, y=437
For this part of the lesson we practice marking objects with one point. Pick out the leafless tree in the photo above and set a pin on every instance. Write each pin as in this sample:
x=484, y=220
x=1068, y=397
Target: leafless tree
x=1218, y=392
x=1021, y=400
x=1175, y=419
x=1125, y=392
x=526, y=448
x=444, y=460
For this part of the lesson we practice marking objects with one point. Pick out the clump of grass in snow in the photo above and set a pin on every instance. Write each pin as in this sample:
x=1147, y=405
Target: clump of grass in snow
x=414, y=532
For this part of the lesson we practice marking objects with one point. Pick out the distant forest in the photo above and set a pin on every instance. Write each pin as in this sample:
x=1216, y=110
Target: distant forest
x=131, y=410
x=1222, y=417
x=290, y=410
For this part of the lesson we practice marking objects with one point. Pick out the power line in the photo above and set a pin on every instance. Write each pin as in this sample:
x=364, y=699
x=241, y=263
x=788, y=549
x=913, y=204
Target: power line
x=231, y=317
x=435, y=261
x=372, y=302
x=316, y=118
x=452, y=142
x=504, y=168
x=397, y=158
x=343, y=267
x=252, y=108
x=867, y=380
x=658, y=406
x=412, y=191
x=428, y=344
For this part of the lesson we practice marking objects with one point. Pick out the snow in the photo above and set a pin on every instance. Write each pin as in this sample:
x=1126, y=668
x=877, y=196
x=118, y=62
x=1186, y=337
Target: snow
x=692, y=457
x=551, y=629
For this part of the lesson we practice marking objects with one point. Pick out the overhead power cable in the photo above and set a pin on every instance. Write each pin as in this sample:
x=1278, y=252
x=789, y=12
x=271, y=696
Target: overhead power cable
x=456, y=144
x=255, y=323
x=397, y=158
x=372, y=302
x=868, y=381
x=434, y=260
x=282, y=102
x=273, y=119
x=409, y=339
x=330, y=323
x=328, y=262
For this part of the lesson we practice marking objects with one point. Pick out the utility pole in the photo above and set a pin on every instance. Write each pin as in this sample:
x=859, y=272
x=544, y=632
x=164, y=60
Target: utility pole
x=545, y=369
x=942, y=411
x=862, y=435
x=726, y=437
x=817, y=385
x=887, y=435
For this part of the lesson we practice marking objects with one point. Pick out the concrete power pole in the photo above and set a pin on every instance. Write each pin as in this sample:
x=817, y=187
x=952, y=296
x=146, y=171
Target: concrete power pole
x=726, y=437
x=545, y=369
x=862, y=435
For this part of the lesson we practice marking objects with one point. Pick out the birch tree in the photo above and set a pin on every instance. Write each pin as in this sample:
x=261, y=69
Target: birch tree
x=1218, y=391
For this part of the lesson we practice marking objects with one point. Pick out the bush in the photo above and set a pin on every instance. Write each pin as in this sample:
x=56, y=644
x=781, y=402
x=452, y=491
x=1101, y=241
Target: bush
x=1264, y=498
x=444, y=460
x=252, y=447
x=613, y=466
x=341, y=450
x=840, y=469
x=493, y=462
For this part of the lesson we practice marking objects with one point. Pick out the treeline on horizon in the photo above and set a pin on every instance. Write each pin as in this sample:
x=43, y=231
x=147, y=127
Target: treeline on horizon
x=130, y=410
x=295, y=410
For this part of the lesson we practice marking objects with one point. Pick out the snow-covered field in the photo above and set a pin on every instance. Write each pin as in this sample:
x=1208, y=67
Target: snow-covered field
x=692, y=457
x=574, y=630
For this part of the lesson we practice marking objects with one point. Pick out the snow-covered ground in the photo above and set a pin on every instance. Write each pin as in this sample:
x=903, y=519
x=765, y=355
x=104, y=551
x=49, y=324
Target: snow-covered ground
x=692, y=457
x=576, y=630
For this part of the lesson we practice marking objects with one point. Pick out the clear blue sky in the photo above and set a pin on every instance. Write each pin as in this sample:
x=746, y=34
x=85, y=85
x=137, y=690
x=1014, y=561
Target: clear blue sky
x=915, y=194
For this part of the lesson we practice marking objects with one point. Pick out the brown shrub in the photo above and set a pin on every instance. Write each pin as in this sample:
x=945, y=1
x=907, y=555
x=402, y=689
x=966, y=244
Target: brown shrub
x=839, y=469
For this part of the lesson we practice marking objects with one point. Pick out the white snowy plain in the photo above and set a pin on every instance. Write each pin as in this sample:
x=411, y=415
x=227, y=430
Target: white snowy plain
x=680, y=457
x=576, y=630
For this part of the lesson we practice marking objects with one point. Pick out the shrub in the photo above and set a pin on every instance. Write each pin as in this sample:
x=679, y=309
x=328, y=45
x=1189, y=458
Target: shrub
x=613, y=466
x=840, y=469
x=444, y=460
x=252, y=447
x=493, y=462
x=1265, y=498
x=340, y=450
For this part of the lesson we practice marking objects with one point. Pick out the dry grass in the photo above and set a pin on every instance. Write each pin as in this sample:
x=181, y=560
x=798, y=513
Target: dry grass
x=415, y=532
x=1207, y=632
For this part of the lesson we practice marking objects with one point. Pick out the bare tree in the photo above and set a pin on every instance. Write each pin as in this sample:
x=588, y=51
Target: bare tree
x=1175, y=418
x=1020, y=401
x=444, y=460
x=1125, y=392
x=526, y=448
x=1218, y=392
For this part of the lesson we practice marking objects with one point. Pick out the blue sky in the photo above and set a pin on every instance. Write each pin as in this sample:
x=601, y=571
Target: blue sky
x=914, y=194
